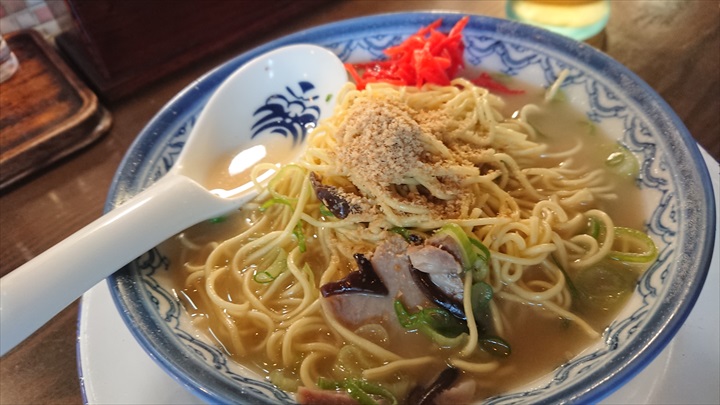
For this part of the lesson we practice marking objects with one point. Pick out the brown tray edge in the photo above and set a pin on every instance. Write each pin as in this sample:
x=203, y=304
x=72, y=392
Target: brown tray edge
x=82, y=129
x=18, y=168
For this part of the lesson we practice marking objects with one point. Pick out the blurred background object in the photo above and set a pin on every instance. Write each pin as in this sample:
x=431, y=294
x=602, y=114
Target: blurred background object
x=121, y=46
x=46, y=111
x=578, y=19
x=8, y=61
x=48, y=17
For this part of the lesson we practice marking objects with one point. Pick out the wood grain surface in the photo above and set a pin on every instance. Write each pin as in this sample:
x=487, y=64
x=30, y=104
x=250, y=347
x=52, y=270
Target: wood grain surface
x=46, y=112
x=673, y=45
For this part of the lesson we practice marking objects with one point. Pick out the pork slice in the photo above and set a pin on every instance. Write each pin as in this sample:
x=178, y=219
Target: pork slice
x=449, y=283
x=439, y=258
x=392, y=266
x=448, y=244
x=433, y=260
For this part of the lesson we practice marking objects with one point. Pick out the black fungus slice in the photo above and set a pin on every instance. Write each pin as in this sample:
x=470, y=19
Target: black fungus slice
x=363, y=281
x=438, y=296
x=332, y=198
x=427, y=396
x=483, y=318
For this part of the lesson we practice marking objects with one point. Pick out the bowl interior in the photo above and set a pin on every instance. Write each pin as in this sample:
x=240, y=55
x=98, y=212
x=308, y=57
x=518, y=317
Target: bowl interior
x=674, y=182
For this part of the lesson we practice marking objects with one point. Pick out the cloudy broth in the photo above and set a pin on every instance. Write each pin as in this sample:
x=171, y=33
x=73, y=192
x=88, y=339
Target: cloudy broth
x=540, y=341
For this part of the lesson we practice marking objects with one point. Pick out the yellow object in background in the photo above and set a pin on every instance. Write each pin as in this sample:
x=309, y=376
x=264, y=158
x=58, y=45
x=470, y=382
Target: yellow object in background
x=577, y=19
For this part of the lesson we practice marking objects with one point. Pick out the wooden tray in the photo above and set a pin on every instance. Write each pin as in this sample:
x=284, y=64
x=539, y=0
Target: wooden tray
x=46, y=112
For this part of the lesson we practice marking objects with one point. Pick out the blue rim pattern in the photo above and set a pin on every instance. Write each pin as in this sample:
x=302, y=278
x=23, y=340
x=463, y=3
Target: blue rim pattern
x=609, y=93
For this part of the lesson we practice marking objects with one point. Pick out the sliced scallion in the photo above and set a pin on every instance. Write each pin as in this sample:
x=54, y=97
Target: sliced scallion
x=495, y=345
x=300, y=237
x=480, y=295
x=623, y=162
x=605, y=285
x=278, y=265
x=273, y=201
x=631, y=245
x=324, y=211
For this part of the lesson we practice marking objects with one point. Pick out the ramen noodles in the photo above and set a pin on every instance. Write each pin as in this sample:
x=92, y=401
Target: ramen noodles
x=436, y=243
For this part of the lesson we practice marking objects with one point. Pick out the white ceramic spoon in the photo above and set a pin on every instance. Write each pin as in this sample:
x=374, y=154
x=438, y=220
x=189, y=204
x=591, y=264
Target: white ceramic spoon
x=262, y=110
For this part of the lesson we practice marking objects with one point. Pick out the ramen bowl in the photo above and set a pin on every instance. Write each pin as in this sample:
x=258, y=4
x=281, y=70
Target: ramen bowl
x=675, y=189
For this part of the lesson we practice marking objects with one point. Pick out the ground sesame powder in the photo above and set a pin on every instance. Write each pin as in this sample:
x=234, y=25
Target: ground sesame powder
x=380, y=142
x=382, y=148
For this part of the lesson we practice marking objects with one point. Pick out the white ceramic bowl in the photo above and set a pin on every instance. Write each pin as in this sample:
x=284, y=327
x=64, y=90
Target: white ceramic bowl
x=676, y=190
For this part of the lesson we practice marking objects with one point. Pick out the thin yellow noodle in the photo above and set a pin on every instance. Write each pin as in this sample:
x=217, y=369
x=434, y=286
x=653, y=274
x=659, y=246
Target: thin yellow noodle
x=306, y=368
x=472, y=340
x=396, y=366
x=327, y=348
x=474, y=367
x=231, y=307
x=297, y=328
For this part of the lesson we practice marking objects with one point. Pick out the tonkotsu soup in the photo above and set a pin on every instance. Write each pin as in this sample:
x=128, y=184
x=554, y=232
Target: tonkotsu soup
x=441, y=244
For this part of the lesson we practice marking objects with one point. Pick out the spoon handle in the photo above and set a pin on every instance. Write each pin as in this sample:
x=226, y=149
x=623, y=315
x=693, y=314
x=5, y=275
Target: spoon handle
x=36, y=291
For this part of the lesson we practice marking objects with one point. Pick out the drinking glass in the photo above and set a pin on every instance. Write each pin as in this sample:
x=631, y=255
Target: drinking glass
x=8, y=61
x=577, y=19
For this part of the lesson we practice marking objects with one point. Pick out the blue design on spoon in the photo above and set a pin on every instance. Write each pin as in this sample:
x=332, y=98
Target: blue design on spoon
x=289, y=115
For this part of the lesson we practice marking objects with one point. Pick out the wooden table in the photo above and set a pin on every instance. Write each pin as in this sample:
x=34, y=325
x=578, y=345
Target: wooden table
x=673, y=45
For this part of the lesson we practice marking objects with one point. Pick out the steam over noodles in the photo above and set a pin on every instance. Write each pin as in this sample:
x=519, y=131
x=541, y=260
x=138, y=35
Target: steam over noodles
x=494, y=241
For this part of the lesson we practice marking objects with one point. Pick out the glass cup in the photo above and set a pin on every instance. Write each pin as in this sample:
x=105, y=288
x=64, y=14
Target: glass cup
x=8, y=61
x=578, y=19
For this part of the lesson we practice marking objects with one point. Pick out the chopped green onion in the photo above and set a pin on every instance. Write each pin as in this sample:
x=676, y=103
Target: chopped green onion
x=410, y=237
x=328, y=97
x=217, y=220
x=357, y=393
x=279, y=176
x=495, y=345
x=278, y=378
x=402, y=232
x=480, y=295
x=475, y=255
x=467, y=250
x=273, y=201
x=605, y=285
x=623, y=162
x=644, y=249
x=594, y=228
x=435, y=323
x=442, y=340
x=300, y=236
x=359, y=390
x=324, y=211
x=367, y=387
x=482, y=268
x=327, y=384
x=484, y=251
x=351, y=361
x=278, y=265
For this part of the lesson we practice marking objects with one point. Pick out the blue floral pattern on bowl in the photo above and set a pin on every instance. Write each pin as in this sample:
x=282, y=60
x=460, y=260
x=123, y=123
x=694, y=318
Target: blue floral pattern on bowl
x=606, y=92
